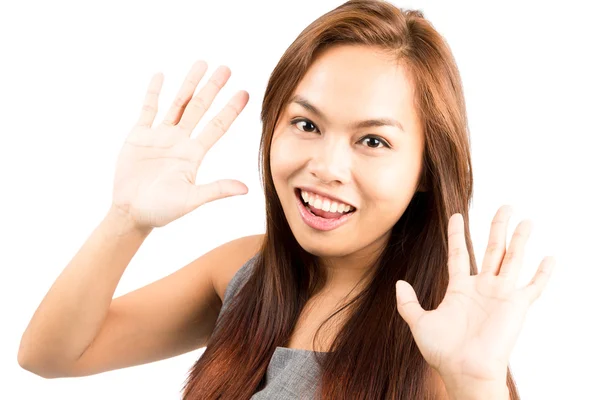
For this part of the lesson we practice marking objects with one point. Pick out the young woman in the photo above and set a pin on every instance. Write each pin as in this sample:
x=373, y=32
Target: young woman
x=364, y=284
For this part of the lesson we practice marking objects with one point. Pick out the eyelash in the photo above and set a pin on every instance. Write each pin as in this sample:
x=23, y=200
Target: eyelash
x=380, y=139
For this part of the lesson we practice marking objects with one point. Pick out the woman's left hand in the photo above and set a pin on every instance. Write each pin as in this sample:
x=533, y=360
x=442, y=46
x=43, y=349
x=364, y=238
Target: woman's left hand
x=469, y=337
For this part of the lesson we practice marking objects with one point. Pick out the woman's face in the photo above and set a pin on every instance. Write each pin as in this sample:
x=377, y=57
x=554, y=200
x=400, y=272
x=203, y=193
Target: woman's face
x=325, y=149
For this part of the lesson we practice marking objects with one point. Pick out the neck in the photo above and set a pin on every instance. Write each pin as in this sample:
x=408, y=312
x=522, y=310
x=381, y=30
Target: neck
x=347, y=272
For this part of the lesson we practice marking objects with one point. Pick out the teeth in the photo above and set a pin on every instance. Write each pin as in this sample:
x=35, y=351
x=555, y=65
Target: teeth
x=333, y=207
x=304, y=196
x=323, y=203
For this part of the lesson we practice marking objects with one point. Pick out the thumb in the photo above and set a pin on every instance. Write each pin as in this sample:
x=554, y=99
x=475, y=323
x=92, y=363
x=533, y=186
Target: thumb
x=408, y=304
x=205, y=193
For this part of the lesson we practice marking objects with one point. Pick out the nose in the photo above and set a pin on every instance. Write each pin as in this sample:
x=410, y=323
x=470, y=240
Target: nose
x=330, y=163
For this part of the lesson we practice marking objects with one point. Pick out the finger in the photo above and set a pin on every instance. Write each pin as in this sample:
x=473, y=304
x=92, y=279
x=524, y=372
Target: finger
x=150, y=106
x=407, y=303
x=205, y=193
x=222, y=121
x=458, y=256
x=497, y=241
x=537, y=284
x=513, y=259
x=198, y=106
x=185, y=92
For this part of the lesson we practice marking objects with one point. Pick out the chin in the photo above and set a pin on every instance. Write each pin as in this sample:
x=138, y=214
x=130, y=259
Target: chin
x=324, y=247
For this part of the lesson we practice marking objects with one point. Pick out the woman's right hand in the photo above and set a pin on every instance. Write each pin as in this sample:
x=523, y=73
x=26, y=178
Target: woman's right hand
x=156, y=169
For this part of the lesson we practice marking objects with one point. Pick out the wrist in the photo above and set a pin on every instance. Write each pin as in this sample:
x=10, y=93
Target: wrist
x=123, y=223
x=475, y=390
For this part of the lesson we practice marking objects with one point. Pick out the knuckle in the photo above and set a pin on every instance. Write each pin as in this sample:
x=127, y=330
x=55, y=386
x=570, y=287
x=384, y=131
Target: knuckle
x=199, y=103
x=511, y=255
x=182, y=125
x=190, y=82
x=232, y=108
x=216, y=83
x=180, y=102
x=148, y=108
x=220, y=189
x=454, y=233
x=519, y=233
x=498, y=221
x=495, y=247
x=219, y=124
x=455, y=252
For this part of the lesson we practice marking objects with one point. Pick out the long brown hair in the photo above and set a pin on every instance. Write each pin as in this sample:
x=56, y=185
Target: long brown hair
x=374, y=355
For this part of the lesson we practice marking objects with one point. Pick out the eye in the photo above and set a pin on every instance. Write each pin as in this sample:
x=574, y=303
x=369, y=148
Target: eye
x=374, y=142
x=307, y=124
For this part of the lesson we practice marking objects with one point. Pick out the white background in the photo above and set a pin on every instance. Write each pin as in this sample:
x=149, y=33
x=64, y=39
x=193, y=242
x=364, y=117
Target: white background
x=73, y=76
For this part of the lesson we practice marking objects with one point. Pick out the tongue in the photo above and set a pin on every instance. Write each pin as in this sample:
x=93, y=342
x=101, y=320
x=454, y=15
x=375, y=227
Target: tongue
x=323, y=214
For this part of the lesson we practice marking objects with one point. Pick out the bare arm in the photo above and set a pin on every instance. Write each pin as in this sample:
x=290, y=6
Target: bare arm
x=166, y=318
x=78, y=329
x=73, y=310
x=169, y=317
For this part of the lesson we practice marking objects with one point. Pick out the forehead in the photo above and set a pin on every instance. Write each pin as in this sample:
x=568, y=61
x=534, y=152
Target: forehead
x=355, y=81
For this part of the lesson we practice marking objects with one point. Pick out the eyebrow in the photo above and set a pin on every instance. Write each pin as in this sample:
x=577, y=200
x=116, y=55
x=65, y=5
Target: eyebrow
x=356, y=125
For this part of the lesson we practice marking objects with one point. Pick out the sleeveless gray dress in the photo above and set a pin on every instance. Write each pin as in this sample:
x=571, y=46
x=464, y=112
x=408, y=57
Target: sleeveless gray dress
x=292, y=374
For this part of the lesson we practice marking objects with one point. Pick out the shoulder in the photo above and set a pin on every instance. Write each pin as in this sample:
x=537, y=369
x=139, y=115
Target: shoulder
x=230, y=257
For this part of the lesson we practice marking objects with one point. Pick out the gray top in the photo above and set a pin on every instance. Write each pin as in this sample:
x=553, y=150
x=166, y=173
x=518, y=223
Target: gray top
x=292, y=374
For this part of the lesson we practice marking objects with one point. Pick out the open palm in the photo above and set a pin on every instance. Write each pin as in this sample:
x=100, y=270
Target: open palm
x=156, y=169
x=473, y=330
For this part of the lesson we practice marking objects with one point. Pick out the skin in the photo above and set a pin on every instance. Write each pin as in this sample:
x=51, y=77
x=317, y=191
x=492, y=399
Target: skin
x=348, y=84
x=468, y=338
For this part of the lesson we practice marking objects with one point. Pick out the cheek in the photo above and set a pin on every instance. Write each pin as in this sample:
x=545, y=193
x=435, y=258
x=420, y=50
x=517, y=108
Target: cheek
x=388, y=186
x=283, y=158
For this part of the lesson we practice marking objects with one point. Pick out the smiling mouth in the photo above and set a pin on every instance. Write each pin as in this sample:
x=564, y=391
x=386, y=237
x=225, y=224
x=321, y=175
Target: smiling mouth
x=317, y=212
